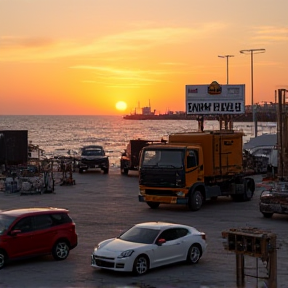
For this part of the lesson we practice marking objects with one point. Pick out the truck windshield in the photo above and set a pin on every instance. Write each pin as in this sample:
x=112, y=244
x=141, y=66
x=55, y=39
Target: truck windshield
x=163, y=158
x=94, y=152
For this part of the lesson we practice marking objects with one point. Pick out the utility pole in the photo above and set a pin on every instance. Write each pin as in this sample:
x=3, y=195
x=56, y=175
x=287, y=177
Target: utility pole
x=251, y=52
x=227, y=118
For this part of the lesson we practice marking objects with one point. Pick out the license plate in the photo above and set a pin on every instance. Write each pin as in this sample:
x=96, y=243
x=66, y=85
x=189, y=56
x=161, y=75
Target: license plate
x=152, y=198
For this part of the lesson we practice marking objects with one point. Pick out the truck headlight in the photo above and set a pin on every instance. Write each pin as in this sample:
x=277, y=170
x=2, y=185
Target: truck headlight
x=142, y=191
x=180, y=193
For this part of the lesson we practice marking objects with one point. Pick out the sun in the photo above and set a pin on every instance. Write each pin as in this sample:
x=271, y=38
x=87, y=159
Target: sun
x=121, y=105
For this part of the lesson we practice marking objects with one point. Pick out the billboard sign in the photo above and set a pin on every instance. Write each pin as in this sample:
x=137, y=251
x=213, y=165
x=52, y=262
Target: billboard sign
x=215, y=99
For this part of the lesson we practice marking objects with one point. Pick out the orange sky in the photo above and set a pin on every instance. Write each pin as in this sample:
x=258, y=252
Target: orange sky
x=80, y=57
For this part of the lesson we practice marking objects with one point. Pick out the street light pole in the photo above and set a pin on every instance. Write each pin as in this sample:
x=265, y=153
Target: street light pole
x=252, y=52
x=227, y=119
x=227, y=62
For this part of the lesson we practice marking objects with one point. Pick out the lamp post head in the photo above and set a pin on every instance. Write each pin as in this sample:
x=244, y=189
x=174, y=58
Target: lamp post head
x=262, y=50
x=225, y=56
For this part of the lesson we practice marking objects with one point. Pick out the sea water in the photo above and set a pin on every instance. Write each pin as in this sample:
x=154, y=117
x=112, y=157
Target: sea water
x=57, y=135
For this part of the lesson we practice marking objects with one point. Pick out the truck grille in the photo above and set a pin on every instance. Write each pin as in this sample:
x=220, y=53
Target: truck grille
x=162, y=178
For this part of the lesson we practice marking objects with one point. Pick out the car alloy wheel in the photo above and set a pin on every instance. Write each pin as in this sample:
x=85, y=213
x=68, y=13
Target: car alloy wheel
x=2, y=259
x=194, y=254
x=60, y=250
x=141, y=265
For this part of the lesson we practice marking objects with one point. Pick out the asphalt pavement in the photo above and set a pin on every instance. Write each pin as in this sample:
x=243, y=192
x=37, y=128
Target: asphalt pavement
x=102, y=206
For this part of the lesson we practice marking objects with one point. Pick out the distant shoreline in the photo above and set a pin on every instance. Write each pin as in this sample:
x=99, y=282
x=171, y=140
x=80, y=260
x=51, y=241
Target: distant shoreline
x=247, y=117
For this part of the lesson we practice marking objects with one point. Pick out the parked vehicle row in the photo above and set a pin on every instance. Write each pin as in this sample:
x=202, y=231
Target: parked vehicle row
x=33, y=232
x=165, y=176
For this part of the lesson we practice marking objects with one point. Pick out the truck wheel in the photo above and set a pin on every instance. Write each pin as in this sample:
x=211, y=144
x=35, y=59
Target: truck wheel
x=80, y=170
x=153, y=205
x=105, y=170
x=195, y=200
x=249, y=188
x=124, y=171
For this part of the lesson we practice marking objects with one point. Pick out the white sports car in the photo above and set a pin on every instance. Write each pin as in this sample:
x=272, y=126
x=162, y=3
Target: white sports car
x=149, y=245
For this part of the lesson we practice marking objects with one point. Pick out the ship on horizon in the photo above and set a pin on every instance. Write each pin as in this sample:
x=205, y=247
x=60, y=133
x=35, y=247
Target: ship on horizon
x=266, y=112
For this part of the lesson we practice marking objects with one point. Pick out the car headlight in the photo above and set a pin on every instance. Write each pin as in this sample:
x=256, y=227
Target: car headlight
x=126, y=253
x=97, y=247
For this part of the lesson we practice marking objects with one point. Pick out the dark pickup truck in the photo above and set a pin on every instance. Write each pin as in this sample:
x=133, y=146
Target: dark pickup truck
x=130, y=157
x=91, y=157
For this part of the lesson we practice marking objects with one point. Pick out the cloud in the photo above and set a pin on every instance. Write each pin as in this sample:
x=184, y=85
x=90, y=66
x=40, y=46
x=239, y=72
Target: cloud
x=108, y=75
x=9, y=42
x=173, y=64
x=39, y=48
x=271, y=33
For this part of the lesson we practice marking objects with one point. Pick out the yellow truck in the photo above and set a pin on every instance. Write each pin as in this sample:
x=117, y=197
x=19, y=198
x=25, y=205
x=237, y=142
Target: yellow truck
x=194, y=167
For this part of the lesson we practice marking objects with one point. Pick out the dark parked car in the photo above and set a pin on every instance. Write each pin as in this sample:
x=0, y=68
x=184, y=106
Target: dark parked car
x=36, y=231
x=93, y=156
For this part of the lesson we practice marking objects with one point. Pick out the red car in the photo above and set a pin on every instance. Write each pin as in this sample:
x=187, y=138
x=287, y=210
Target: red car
x=36, y=231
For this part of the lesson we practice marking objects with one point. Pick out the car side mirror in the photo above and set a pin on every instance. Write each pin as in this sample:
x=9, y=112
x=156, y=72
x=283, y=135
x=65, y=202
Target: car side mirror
x=161, y=241
x=15, y=232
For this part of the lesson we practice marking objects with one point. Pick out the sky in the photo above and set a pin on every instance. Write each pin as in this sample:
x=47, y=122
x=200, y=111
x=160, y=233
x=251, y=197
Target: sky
x=81, y=57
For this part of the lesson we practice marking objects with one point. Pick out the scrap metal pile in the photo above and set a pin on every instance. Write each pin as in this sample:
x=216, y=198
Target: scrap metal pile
x=38, y=178
x=255, y=164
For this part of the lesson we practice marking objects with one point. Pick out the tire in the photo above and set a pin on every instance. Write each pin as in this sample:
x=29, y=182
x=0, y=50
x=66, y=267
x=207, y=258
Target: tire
x=267, y=215
x=153, y=205
x=249, y=188
x=141, y=265
x=124, y=171
x=3, y=259
x=194, y=254
x=105, y=170
x=195, y=200
x=80, y=170
x=60, y=250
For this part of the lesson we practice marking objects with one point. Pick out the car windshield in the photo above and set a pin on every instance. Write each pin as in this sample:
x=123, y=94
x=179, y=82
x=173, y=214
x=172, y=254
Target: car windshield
x=5, y=222
x=94, y=152
x=164, y=158
x=140, y=235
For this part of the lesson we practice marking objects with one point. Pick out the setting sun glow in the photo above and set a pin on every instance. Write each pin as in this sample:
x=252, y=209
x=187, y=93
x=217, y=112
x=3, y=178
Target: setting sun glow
x=73, y=67
x=121, y=105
